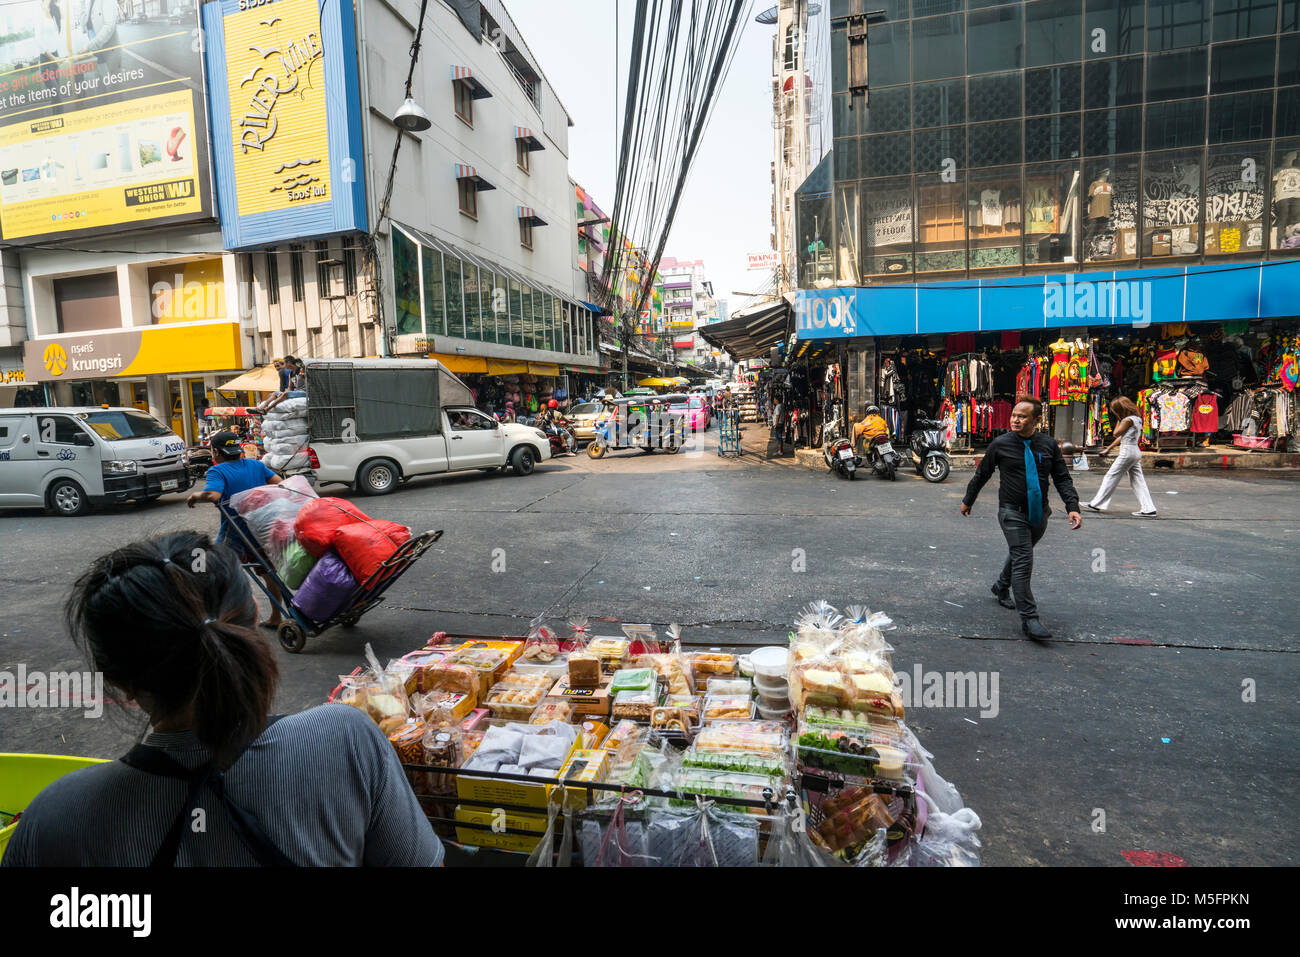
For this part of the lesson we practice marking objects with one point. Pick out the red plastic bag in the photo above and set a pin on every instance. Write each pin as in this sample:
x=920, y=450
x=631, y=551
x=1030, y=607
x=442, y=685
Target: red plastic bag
x=320, y=518
x=364, y=546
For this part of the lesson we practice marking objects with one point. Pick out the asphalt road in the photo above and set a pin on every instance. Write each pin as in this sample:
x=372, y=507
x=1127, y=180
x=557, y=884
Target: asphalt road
x=1135, y=713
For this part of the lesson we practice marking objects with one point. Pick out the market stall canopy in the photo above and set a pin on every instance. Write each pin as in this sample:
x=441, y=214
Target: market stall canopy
x=654, y=382
x=749, y=335
x=265, y=379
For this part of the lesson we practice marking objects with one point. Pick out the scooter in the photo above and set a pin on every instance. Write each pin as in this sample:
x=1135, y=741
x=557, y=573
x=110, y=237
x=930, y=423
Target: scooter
x=929, y=451
x=562, y=438
x=837, y=450
x=883, y=457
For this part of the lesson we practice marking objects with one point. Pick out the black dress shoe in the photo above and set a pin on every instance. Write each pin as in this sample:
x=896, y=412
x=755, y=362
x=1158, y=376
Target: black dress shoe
x=1003, y=595
x=1034, y=629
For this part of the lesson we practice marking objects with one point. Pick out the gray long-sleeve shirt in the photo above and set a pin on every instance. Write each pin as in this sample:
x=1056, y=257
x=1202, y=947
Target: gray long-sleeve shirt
x=325, y=785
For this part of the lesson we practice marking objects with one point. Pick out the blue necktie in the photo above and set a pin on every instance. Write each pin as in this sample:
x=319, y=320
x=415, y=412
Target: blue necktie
x=1033, y=491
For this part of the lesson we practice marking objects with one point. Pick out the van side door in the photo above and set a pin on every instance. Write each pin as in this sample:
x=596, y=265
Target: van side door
x=20, y=473
x=62, y=449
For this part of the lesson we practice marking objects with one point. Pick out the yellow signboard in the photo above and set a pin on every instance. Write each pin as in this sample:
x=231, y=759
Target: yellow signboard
x=150, y=350
x=275, y=69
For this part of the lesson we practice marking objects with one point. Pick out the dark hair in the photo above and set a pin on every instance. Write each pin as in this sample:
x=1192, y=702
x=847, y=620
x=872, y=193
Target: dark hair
x=1123, y=406
x=173, y=618
x=1036, y=403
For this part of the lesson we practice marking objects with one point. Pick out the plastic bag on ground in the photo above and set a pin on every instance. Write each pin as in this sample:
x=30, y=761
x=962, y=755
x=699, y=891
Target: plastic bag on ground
x=364, y=546
x=294, y=565
x=320, y=519
x=949, y=840
x=325, y=589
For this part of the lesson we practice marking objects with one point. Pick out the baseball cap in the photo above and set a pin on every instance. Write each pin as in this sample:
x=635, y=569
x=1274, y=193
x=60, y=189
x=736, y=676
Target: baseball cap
x=227, y=443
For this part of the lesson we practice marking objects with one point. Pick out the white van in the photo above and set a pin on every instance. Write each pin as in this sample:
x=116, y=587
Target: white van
x=68, y=459
x=378, y=422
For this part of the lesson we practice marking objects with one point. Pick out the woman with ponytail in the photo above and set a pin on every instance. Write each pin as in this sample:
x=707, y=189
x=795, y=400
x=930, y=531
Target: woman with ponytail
x=171, y=624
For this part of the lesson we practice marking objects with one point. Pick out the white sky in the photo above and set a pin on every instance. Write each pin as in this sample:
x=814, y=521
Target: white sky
x=725, y=211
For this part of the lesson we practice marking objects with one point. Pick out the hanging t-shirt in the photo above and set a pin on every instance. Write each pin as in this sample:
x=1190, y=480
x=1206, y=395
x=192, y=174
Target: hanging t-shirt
x=1099, y=194
x=1012, y=209
x=1175, y=411
x=991, y=207
x=1286, y=184
x=1042, y=208
x=1205, y=413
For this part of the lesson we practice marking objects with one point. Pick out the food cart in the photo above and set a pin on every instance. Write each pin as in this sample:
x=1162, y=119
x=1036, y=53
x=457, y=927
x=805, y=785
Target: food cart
x=244, y=420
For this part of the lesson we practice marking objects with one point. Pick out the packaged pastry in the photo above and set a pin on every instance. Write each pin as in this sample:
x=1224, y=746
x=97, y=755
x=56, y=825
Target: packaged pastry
x=875, y=694
x=714, y=663
x=758, y=737
x=542, y=645
x=689, y=704
x=584, y=670
x=512, y=703
x=820, y=685
x=635, y=705
x=728, y=708
x=488, y=665
x=736, y=686
x=593, y=734
x=670, y=719
x=442, y=748
x=449, y=706
x=612, y=652
x=632, y=679
x=516, y=679
x=623, y=731
x=446, y=676
x=549, y=711
x=673, y=668
x=408, y=741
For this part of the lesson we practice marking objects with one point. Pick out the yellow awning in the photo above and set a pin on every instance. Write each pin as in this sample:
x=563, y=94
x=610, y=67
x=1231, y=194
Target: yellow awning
x=655, y=382
x=461, y=363
x=265, y=379
x=506, y=367
x=544, y=368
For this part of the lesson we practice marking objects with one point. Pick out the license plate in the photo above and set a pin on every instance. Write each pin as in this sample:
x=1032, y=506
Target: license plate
x=170, y=484
x=846, y=453
x=885, y=448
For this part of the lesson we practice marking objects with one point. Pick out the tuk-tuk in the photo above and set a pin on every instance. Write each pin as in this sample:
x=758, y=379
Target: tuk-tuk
x=637, y=422
x=245, y=420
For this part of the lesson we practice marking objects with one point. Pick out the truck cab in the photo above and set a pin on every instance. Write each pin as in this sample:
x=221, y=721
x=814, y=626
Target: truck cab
x=71, y=458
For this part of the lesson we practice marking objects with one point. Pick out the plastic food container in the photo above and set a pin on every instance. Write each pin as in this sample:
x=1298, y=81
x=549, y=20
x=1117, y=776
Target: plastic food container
x=632, y=679
x=737, y=761
x=634, y=705
x=688, y=703
x=488, y=664
x=770, y=662
x=729, y=686
x=758, y=737
x=714, y=663
x=516, y=679
x=555, y=669
x=771, y=687
x=514, y=704
x=877, y=762
x=728, y=708
x=612, y=652
x=772, y=712
x=726, y=784
x=549, y=711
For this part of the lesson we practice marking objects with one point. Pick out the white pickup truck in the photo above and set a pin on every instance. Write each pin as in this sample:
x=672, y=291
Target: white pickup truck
x=378, y=422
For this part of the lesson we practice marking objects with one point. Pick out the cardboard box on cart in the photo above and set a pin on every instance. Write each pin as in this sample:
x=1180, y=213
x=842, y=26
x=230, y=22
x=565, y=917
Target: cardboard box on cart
x=587, y=702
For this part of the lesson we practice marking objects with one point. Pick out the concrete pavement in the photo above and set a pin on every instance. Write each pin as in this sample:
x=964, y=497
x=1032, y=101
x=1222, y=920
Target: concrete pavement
x=1137, y=709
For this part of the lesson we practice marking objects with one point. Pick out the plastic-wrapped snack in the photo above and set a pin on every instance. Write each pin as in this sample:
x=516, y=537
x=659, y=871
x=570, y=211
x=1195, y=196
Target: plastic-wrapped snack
x=550, y=711
x=441, y=748
x=733, y=686
x=715, y=663
x=632, y=679
x=819, y=682
x=670, y=719
x=542, y=646
x=728, y=708
x=689, y=704
x=593, y=734
x=488, y=664
x=612, y=652
x=643, y=638
x=673, y=668
x=584, y=665
x=408, y=740
x=861, y=630
x=757, y=737
x=636, y=705
x=625, y=731
x=513, y=703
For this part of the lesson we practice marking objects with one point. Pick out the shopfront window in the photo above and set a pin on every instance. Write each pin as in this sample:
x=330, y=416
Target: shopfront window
x=1052, y=31
x=940, y=151
x=938, y=104
x=995, y=217
x=941, y=226
x=490, y=302
x=455, y=303
x=1235, y=67
x=890, y=110
x=1174, y=76
x=516, y=314
x=1110, y=209
x=1286, y=195
x=938, y=48
x=1055, y=89
x=993, y=144
x=1052, y=137
x=887, y=54
x=1052, y=226
x=406, y=284
x=1171, y=205
x=1241, y=116
x=887, y=155
x=887, y=227
x=1181, y=123
x=847, y=248
x=473, y=307
x=435, y=317
x=1113, y=27
x=1111, y=83
x=994, y=40
x=1234, y=199
x=994, y=97
x=1111, y=132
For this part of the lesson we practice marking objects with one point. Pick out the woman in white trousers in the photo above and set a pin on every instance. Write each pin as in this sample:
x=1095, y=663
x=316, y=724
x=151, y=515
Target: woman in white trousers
x=1127, y=432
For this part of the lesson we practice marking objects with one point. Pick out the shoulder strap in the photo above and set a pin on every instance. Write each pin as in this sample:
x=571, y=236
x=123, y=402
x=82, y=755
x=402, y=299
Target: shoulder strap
x=153, y=760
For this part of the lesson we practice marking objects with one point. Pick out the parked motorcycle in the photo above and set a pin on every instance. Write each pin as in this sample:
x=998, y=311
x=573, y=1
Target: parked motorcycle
x=929, y=450
x=837, y=449
x=562, y=438
x=883, y=458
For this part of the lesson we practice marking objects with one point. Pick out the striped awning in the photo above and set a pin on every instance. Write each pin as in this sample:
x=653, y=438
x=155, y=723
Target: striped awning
x=465, y=171
x=464, y=74
x=529, y=215
x=530, y=140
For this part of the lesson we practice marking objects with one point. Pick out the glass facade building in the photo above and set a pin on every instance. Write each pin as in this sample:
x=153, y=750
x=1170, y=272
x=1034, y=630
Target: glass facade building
x=976, y=138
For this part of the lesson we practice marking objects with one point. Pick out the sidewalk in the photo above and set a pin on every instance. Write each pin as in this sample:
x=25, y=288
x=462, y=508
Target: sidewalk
x=1215, y=457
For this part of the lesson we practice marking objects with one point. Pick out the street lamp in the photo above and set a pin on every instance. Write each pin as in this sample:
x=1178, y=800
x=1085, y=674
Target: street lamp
x=412, y=118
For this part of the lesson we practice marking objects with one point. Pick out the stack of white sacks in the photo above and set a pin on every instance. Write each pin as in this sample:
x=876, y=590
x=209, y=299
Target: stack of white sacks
x=285, y=436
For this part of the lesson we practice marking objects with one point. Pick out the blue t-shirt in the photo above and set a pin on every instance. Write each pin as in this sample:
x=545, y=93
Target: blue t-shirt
x=231, y=478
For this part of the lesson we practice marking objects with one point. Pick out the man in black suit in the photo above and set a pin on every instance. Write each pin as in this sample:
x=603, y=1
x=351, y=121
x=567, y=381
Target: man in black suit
x=1022, y=505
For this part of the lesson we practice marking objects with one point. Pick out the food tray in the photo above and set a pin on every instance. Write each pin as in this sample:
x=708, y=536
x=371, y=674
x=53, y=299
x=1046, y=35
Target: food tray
x=728, y=708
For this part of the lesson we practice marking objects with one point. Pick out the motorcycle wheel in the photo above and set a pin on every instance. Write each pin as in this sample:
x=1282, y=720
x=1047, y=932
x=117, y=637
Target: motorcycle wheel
x=889, y=472
x=936, y=469
x=852, y=473
x=830, y=464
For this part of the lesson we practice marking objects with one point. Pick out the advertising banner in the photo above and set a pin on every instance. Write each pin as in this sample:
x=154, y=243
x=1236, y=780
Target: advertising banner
x=766, y=260
x=282, y=81
x=102, y=118
x=147, y=350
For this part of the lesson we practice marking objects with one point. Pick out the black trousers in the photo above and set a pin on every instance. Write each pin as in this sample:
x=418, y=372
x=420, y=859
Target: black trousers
x=1019, y=567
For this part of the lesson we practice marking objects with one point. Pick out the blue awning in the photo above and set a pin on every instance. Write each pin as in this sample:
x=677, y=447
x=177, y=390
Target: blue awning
x=1132, y=298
